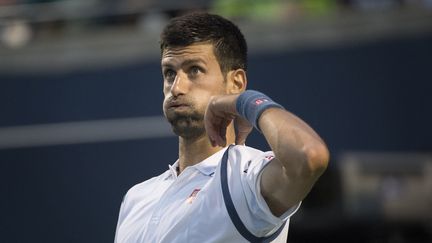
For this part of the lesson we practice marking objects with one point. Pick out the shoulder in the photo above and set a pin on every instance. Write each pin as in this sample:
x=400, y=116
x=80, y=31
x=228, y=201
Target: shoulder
x=246, y=153
x=143, y=188
x=248, y=161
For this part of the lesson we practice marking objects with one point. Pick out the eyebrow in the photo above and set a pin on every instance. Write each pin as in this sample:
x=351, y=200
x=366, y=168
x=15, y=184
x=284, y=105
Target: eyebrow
x=185, y=63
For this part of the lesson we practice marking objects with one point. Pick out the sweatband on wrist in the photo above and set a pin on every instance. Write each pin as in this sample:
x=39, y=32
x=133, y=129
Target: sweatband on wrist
x=251, y=104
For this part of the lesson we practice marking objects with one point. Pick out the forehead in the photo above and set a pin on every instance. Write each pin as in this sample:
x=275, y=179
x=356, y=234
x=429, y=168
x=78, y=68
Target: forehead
x=177, y=55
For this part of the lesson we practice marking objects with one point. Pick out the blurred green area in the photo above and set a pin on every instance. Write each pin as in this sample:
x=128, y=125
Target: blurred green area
x=274, y=10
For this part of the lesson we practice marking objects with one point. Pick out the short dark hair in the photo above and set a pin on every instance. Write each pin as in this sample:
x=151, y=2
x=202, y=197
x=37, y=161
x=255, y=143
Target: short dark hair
x=229, y=44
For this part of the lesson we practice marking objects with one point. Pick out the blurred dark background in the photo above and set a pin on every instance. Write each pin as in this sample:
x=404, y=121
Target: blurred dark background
x=81, y=110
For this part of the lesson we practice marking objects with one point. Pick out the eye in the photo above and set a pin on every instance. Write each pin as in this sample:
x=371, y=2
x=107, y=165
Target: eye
x=169, y=74
x=195, y=70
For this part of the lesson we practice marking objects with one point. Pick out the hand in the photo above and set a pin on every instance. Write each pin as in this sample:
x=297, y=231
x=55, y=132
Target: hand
x=221, y=111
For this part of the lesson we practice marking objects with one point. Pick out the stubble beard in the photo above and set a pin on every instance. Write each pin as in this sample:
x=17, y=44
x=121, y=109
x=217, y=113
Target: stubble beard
x=188, y=125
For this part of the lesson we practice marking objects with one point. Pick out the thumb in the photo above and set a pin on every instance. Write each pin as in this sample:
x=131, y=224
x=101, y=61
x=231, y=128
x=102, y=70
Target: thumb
x=241, y=138
x=242, y=130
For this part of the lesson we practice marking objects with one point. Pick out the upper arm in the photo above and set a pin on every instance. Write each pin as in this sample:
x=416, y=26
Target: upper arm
x=244, y=181
x=282, y=189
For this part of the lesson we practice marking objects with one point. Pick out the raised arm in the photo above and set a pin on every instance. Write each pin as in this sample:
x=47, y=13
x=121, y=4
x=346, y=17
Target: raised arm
x=301, y=156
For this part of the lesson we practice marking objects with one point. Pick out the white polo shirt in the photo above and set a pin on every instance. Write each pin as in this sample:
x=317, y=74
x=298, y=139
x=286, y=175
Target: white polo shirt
x=190, y=207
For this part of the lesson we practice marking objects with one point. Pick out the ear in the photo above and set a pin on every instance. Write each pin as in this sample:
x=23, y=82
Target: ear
x=236, y=81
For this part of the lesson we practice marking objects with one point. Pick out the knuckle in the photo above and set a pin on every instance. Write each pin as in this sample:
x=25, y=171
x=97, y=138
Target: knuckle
x=213, y=101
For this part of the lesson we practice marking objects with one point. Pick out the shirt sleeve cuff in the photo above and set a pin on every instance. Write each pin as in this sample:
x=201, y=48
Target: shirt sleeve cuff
x=265, y=208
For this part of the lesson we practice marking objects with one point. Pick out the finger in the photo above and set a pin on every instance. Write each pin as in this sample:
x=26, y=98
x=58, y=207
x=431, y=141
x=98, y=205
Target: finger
x=241, y=138
x=213, y=136
x=216, y=132
x=222, y=133
x=243, y=129
x=238, y=137
x=210, y=129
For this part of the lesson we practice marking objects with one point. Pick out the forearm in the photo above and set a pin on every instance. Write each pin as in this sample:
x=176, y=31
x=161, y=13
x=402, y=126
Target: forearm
x=296, y=145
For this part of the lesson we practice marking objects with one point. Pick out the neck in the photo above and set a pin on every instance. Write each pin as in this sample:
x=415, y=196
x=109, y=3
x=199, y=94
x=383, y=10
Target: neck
x=194, y=150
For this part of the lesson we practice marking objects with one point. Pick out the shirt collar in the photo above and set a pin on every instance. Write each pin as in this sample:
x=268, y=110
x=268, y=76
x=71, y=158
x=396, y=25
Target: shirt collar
x=172, y=172
x=207, y=166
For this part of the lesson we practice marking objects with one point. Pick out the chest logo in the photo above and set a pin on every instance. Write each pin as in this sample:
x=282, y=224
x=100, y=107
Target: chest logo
x=193, y=195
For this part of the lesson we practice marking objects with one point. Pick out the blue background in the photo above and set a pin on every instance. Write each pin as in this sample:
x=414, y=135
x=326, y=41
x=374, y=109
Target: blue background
x=372, y=96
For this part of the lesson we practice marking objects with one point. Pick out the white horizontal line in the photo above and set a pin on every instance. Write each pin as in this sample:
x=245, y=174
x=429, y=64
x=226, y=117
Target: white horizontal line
x=84, y=132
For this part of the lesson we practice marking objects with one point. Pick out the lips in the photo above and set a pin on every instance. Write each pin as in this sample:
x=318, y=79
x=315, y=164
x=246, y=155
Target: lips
x=175, y=105
x=178, y=105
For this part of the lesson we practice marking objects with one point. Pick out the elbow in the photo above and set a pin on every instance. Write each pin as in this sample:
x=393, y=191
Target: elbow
x=317, y=157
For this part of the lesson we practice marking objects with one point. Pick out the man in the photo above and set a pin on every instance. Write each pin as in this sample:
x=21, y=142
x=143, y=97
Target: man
x=215, y=192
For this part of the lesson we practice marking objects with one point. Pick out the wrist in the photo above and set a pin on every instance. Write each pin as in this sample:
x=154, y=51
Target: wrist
x=251, y=104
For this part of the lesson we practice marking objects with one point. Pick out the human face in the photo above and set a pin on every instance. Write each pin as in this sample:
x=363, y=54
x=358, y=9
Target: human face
x=191, y=76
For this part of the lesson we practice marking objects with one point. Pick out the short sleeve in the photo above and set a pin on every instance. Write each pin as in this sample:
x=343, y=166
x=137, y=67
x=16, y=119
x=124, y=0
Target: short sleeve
x=253, y=209
x=121, y=217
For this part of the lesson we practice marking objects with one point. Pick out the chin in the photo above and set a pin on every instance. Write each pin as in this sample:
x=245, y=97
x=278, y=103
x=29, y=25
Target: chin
x=188, y=128
x=186, y=124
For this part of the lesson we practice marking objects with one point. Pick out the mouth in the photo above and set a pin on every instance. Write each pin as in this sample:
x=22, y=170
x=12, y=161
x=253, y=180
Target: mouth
x=177, y=106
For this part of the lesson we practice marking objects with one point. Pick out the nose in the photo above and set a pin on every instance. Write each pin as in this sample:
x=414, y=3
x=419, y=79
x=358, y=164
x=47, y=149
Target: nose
x=180, y=84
